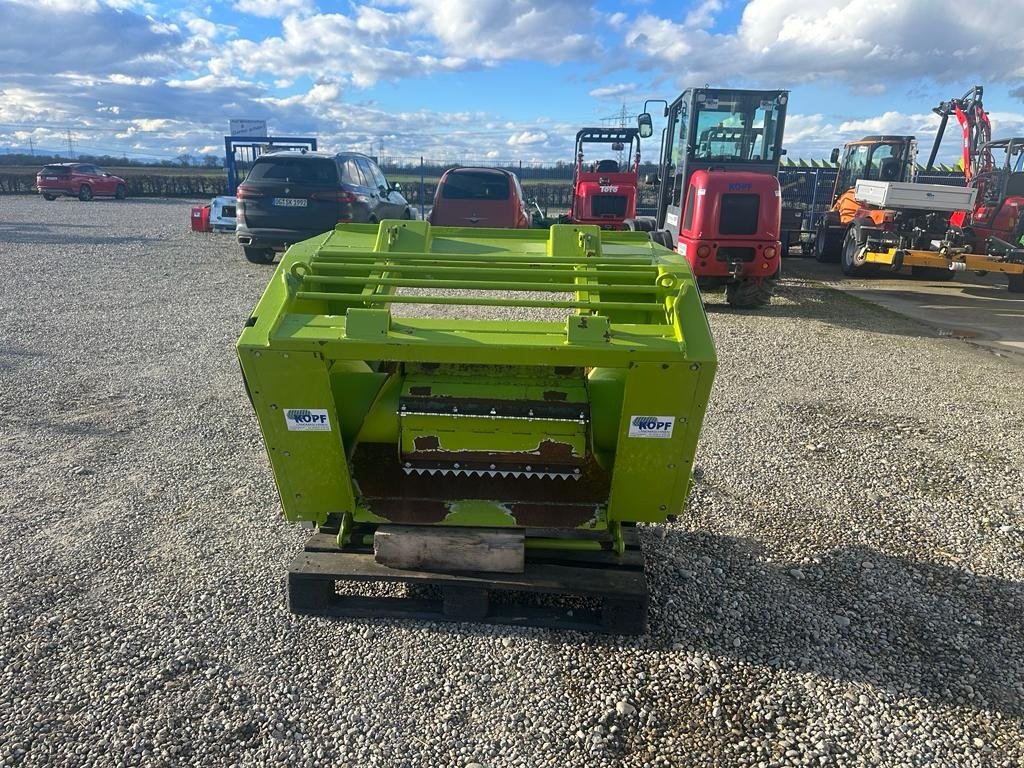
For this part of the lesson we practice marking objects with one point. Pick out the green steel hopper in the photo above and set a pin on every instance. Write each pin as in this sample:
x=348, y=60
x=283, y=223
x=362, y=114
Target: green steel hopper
x=581, y=422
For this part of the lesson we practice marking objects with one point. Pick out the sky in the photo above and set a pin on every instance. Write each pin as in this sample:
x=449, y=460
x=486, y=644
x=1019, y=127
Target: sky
x=485, y=80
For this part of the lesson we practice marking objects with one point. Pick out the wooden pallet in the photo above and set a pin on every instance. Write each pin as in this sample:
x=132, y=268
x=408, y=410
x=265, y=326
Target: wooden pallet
x=613, y=588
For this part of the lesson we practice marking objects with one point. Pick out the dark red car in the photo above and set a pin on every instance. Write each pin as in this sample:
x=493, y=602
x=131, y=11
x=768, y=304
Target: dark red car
x=81, y=180
x=479, y=197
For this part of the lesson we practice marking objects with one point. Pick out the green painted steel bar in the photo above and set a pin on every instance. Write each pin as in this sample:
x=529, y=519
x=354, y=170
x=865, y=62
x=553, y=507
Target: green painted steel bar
x=345, y=529
x=589, y=545
x=479, y=301
x=480, y=285
x=539, y=259
x=423, y=269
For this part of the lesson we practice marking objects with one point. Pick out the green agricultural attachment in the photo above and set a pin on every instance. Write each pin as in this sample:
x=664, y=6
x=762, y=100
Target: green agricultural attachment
x=584, y=423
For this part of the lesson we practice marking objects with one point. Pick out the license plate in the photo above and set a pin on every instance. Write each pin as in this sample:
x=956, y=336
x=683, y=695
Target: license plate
x=290, y=202
x=51, y=178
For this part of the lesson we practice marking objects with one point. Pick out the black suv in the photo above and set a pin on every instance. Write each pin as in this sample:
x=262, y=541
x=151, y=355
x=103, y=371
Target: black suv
x=291, y=196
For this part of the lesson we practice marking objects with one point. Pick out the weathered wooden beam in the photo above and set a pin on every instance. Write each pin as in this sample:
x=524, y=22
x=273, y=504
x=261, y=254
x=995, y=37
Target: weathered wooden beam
x=421, y=547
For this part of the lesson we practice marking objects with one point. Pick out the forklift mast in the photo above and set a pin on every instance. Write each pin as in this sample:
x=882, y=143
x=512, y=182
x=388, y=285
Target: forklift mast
x=977, y=134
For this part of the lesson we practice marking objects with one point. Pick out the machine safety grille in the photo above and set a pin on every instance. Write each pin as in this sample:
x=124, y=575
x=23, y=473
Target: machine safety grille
x=608, y=205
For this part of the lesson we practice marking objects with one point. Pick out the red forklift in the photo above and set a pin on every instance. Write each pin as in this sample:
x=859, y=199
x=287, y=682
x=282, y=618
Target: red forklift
x=995, y=226
x=718, y=200
x=604, y=191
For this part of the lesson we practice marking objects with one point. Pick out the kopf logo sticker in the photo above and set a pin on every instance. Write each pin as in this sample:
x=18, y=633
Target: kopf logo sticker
x=307, y=419
x=652, y=426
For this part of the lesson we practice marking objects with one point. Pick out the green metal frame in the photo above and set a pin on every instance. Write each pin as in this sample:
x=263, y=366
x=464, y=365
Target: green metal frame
x=323, y=340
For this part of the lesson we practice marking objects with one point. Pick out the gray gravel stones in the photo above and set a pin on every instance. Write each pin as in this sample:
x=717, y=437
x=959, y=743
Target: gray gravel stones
x=142, y=617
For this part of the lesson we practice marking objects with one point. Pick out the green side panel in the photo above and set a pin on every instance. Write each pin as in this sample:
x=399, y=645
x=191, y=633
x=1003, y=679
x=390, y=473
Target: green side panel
x=662, y=412
x=308, y=459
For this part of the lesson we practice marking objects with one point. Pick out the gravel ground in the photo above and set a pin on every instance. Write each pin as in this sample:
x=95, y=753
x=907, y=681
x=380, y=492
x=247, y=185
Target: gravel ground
x=844, y=588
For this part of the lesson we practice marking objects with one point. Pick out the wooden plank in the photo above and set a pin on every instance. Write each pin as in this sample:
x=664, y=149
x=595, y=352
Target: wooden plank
x=413, y=547
x=540, y=577
x=629, y=560
x=327, y=541
x=617, y=584
x=358, y=606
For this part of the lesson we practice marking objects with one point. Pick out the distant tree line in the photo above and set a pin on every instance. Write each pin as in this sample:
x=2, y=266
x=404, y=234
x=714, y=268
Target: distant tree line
x=184, y=160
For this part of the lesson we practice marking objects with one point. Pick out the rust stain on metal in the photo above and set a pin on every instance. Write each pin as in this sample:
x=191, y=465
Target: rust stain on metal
x=428, y=447
x=427, y=443
x=406, y=510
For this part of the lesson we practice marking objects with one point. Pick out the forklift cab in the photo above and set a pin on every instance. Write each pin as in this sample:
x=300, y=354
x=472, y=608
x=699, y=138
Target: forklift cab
x=1008, y=176
x=715, y=129
x=881, y=158
x=1003, y=188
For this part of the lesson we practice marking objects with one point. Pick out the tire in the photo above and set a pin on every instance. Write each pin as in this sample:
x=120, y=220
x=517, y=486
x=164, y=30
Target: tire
x=49, y=197
x=640, y=224
x=407, y=214
x=663, y=238
x=120, y=193
x=853, y=254
x=828, y=244
x=258, y=255
x=85, y=193
x=750, y=293
x=932, y=273
x=1015, y=283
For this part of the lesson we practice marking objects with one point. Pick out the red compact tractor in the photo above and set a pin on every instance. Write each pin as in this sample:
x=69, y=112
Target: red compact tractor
x=604, y=191
x=719, y=203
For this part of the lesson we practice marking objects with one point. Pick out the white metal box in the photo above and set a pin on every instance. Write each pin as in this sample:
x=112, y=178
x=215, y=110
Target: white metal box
x=222, y=214
x=927, y=197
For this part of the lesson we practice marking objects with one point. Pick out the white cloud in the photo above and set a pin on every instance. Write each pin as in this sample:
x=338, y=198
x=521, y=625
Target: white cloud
x=703, y=16
x=526, y=138
x=54, y=37
x=892, y=122
x=790, y=41
x=333, y=46
x=659, y=40
x=271, y=9
x=552, y=31
x=614, y=91
x=202, y=27
x=152, y=125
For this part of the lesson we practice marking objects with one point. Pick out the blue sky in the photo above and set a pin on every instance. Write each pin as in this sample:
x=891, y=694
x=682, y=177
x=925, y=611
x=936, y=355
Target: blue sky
x=472, y=80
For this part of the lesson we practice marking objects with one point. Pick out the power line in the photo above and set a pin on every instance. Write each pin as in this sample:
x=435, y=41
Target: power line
x=618, y=120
